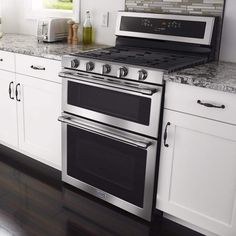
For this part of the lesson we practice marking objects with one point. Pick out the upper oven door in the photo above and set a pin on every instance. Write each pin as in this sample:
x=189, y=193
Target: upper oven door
x=130, y=106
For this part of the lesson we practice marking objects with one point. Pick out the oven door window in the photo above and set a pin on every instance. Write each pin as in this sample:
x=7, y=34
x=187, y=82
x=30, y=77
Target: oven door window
x=109, y=102
x=109, y=165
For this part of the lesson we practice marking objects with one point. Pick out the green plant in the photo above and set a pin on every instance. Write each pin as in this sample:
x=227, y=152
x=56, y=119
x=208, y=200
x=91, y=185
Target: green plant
x=58, y=4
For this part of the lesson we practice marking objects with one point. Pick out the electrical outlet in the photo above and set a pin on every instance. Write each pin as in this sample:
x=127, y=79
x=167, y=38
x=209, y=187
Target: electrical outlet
x=105, y=19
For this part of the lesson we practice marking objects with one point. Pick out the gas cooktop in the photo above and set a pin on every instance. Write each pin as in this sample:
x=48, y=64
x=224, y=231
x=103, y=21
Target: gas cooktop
x=158, y=59
x=149, y=45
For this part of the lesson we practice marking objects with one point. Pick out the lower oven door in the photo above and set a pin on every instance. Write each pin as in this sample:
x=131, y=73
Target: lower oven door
x=129, y=105
x=113, y=165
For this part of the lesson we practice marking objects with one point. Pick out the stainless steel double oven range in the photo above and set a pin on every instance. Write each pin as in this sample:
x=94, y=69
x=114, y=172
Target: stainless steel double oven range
x=112, y=106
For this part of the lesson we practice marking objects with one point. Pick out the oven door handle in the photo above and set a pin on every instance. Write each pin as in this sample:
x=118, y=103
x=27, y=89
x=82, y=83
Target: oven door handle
x=127, y=88
x=73, y=122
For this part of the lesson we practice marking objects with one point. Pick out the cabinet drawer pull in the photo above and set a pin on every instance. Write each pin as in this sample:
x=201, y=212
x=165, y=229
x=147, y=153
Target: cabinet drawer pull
x=166, y=134
x=17, y=93
x=10, y=90
x=210, y=105
x=37, y=67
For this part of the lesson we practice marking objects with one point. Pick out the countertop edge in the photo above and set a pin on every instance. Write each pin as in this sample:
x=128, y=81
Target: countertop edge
x=220, y=76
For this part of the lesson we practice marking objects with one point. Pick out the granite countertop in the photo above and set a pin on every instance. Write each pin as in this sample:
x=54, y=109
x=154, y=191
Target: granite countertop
x=215, y=75
x=28, y=45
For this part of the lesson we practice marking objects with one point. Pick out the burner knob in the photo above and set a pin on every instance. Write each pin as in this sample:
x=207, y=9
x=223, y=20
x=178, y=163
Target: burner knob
x=74, y=64
x=106, y=69
x=90, y=66
x=122, y=72
x=142, y=75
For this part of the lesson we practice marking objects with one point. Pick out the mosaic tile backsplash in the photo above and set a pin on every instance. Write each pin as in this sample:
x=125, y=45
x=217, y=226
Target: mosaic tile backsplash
x=192, y=7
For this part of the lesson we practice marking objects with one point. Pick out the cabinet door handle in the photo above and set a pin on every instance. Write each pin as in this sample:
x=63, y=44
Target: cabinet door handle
x=166, y=134
x=210, y=105
x=37, y=67
x=17, y=93
x=10, y=90
x=1, y=59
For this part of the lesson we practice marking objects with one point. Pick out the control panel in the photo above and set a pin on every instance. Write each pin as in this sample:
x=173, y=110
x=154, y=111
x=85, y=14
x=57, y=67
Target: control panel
x=192, y=29
x=168, y=27
x=116, y=70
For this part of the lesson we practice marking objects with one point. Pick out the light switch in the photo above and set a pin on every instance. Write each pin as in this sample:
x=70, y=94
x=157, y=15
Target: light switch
x=105, y=19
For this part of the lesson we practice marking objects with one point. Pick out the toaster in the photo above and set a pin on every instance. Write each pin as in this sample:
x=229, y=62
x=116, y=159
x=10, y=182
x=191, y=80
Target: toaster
x=52, y=29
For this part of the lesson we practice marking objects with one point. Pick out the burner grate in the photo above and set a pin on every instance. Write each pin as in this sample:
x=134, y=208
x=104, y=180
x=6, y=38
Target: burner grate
x=143, y=57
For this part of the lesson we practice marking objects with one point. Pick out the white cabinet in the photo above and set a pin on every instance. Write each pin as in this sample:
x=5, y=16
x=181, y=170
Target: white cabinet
x=197, y=175
x=7, y=61
x=8, y=118
x=30, y=105
x=38, y=110
x=190, y=99
x=38, y=67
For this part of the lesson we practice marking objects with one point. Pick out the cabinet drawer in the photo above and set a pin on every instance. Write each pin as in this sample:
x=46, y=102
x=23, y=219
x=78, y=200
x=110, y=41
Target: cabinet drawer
x=38, y=67
x=191, y=100
x=7, y=61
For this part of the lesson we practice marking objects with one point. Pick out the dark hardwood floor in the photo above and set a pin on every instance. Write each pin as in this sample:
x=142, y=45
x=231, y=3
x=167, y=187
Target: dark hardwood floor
x=33, y=201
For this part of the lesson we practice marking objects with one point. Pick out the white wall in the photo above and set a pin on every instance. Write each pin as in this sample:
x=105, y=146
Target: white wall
x=14, y=21
x=228, y=45
x=97, y=7
x=9, y=13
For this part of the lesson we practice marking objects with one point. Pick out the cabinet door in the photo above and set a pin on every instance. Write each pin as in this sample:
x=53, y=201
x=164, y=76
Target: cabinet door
x=197, y=175
x=38, y=111
x=8, y=118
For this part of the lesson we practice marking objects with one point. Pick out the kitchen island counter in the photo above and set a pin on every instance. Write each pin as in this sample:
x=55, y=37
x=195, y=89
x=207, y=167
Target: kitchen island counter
x=215, y=75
